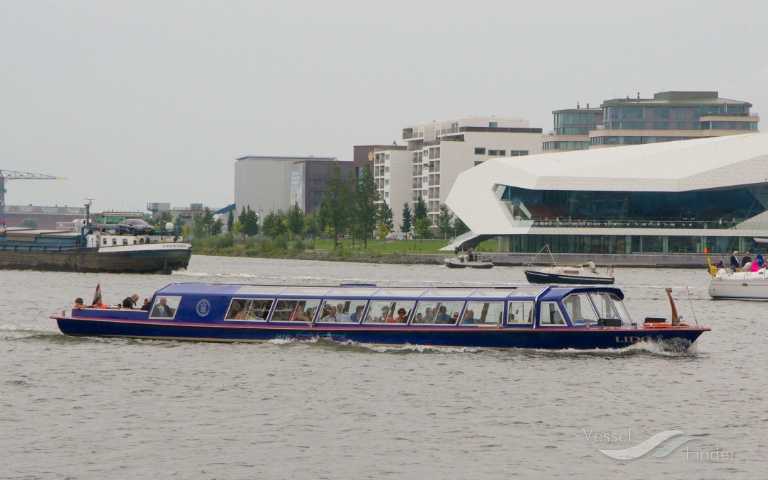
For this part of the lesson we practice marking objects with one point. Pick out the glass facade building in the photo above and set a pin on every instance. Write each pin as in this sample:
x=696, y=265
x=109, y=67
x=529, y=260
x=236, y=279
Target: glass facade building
x=668, y=116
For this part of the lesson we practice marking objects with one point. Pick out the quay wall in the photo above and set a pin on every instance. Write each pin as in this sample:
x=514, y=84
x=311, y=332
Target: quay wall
x=640, y=260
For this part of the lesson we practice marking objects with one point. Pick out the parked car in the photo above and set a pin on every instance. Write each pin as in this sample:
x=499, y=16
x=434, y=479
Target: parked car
x=137, y=225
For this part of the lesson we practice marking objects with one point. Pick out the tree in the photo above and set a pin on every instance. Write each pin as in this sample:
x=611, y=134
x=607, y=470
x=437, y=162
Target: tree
x=420, y=211
x=312, y=226
x=422, y=227
x=241, y=217
x=405, y=227
x=28, y=223
x=295, y=220
x=366, y=195
x=382, y=230
x=250, y=222
x=386, y=215
x=275, y=224
x=444, y=220
x=460, y=227
x=336, y=202
x=230, y=221
x=207, y=221
x=217, y=227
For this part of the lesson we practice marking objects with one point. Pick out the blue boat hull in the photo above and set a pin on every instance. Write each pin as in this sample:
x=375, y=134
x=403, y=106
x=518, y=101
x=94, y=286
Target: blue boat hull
x=678, y=339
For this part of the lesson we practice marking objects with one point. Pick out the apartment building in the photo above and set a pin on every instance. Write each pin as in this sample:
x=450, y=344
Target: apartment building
x=435, y=153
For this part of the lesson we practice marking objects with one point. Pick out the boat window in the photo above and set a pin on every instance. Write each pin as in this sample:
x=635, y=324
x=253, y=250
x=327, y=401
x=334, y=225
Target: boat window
x=267, y=290
x=450, y=292
x=437, y=312
x=483, y=313
x=528, y=291
x=550, y=315
x=114, y=241
x=125, y=241
x=165, y=307
x=610, y=306
x=385, y=311
x=314, y=291
x=400, y=292
x=520, y=313
x=493, y=292
x=295, y=310
x=580, y=309
x=103, y=241
x=249, y=309
x=353, y=291
x=342, y=311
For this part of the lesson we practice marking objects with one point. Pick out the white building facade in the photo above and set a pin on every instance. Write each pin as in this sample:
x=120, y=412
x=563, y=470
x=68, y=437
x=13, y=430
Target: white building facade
x=437, y=152
x=704, y=195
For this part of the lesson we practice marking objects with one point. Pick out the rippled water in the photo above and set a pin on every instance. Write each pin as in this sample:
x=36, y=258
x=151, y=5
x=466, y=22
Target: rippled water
x=95, y=408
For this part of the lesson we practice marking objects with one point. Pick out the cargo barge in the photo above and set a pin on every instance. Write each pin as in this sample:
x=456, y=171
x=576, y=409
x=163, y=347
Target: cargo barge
x=94, y=248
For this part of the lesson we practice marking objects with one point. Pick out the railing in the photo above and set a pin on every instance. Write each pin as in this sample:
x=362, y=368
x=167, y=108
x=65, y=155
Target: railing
x=691, y=224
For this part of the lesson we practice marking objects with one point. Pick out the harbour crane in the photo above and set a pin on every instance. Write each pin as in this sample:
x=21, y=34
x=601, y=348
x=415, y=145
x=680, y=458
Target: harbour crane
x=11, y=175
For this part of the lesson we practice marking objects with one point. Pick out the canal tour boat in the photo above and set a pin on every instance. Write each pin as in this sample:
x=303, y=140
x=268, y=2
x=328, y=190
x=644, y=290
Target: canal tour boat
x=529, y=316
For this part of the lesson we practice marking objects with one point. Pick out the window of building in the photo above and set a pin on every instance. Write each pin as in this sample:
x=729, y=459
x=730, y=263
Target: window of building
x=479, y=151
x=493, y=124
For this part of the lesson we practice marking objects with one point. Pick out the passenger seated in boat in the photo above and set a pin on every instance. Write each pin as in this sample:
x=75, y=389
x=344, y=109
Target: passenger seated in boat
x=99, y=304
x=146, y=305
x=428, y=316
x=401, y=317
x=355, y=317
x=385, y=316
x=720, y=263
x=443, y=317
x=78, y=304
x=331, y=317
x=298, y=315
x=469, y=318
x=130, y=302
x=419, y=318
x=340, y=315
x=161, y=309
x=760, y=260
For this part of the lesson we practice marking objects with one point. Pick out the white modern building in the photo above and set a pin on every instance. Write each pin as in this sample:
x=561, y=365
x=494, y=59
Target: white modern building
x=673, y=197
x=437, y=152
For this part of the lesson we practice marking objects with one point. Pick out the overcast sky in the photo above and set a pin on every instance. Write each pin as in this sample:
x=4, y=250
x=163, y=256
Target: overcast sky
x=152, y=101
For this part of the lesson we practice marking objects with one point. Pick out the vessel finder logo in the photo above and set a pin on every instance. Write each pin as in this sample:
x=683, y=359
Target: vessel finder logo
x=643, y=448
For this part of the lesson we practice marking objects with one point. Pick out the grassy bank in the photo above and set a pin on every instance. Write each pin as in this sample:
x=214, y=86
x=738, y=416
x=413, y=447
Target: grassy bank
x=377, y=251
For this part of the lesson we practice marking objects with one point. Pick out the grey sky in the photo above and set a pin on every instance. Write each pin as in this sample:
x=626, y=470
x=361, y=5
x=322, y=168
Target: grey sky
x=144, y=101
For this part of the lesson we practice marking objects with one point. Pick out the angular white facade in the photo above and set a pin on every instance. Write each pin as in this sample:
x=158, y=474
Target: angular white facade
x=699, y=168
